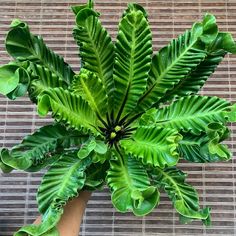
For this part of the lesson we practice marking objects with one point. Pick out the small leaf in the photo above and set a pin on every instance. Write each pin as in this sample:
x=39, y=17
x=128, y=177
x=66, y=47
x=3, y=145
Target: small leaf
x=9, y=78
x=217, y=133
x=77, y=9
x=4, y=167
x=225, y=42
x=100, y=147
x=210, y=29
x=95, y=176
x=86, y=148
x=21, y=89
x=232, y=113
x=135, y=7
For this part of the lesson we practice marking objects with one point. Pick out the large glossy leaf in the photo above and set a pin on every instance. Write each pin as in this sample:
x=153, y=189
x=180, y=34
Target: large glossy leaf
x=41, y=79
x=22, y=45
x=132, y=60
x=68, y=108
x=205, y=147
x=90, y=87
x=192, y=113
x=62, y=182
x=175, y=61
x=184, y=197
x=156, y=146
x=96, y=47
x=130, y=186
x=41, y=148
x=193, y=82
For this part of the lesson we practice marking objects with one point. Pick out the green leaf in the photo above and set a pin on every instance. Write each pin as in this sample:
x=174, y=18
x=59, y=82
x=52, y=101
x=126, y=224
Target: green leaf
x=187, y=220
x=91, y=89
x=223, y=42
x=10, y=162
x=5, y=168
x=62, y=182
x=13, y=80
x=193, y=113
x=24, y=46
x=9, y=78
x=135, y=7
x=175, y=61
x=68, y=108
x=232, y=113
x=184, y=197
x=98, y=146
x=132, y=61
x=46, y=228
x=39, y=149
x=41, y=79
x=101, y=147
x=96, y=47
x=156, y=146
x=193, y=82
x=87, y=148
x=21, y=89
x=78, y=8
x=217, y=133
x=209, y=29
x=95, y=176
x=131, y=187
x=205, y=148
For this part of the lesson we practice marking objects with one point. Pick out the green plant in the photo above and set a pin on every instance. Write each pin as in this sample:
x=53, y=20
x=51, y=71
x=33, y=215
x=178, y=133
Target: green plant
x=124, y=120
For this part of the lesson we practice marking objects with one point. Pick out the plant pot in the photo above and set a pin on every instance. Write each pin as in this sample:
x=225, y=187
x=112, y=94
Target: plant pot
x=69, y=224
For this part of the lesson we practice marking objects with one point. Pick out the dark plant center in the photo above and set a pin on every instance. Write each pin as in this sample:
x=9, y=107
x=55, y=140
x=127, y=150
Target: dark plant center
x=114, y=134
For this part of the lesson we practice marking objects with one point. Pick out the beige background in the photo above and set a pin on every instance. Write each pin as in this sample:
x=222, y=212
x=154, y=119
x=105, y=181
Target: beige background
x=215, y=182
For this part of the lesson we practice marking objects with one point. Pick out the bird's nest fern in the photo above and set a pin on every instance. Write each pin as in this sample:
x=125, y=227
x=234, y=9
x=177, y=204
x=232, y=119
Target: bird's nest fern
x=125, y=119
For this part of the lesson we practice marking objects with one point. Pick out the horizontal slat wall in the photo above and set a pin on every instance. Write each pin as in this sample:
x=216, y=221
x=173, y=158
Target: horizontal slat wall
x=215, y=182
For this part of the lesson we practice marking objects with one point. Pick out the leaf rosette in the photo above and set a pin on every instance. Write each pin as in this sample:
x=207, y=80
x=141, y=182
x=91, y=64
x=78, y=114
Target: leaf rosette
x=125, y=119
